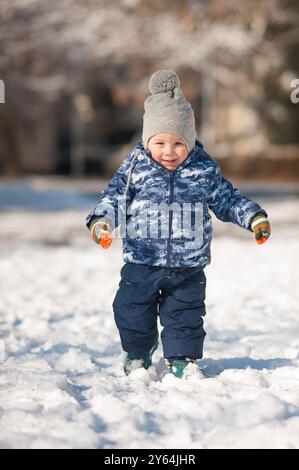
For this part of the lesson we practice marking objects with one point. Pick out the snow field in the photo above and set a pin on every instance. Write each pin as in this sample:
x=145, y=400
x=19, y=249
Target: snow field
x=61, y=379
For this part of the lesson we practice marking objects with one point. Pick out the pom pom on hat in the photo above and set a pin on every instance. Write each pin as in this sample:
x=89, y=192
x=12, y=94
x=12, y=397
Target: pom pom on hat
x=167, y=110
x=163, y=81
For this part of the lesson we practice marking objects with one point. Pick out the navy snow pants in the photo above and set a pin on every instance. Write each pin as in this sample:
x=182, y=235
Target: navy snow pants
x=177, y=295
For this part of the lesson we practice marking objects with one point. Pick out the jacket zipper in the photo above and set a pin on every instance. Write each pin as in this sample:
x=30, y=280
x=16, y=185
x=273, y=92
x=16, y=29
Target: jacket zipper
x=170, y=218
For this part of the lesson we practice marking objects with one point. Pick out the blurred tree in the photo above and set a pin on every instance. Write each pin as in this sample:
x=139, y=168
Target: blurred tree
x=84, y=65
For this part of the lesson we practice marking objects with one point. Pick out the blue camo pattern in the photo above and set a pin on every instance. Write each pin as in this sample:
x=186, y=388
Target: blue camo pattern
x=197, y=183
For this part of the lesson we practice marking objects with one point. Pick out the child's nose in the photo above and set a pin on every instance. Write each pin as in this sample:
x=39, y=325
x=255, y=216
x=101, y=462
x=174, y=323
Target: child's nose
x=169, y=150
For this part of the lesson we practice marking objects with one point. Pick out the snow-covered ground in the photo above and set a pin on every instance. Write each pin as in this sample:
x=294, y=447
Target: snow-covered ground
x=61, y=379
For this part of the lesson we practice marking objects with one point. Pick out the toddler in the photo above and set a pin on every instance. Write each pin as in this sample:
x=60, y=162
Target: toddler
x=159, y=199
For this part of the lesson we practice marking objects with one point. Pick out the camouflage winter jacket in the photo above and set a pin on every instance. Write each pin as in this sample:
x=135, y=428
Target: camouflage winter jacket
x=163, y=216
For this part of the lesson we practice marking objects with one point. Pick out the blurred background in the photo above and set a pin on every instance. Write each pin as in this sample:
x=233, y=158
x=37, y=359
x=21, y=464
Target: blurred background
x=74, y=76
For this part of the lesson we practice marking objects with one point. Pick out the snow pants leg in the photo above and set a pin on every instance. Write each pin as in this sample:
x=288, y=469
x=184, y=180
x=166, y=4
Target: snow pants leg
x=177, y=295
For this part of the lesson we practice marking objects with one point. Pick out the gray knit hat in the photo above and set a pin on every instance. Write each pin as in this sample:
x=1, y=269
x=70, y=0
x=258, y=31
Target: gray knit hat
x=167, y=110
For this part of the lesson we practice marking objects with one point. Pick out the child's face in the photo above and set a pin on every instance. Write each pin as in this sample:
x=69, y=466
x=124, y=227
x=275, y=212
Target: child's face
x=168, y=149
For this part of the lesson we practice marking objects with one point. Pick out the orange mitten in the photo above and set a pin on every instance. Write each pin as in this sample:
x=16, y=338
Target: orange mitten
x=261, y=227
x=101, y=233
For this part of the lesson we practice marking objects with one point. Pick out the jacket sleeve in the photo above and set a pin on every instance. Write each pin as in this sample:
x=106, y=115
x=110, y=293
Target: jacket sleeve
x=229, y=205
x=113, y=202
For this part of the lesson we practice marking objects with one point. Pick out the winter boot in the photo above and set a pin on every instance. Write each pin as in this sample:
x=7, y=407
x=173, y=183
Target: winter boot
x=136, y=361
x=177, y=366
